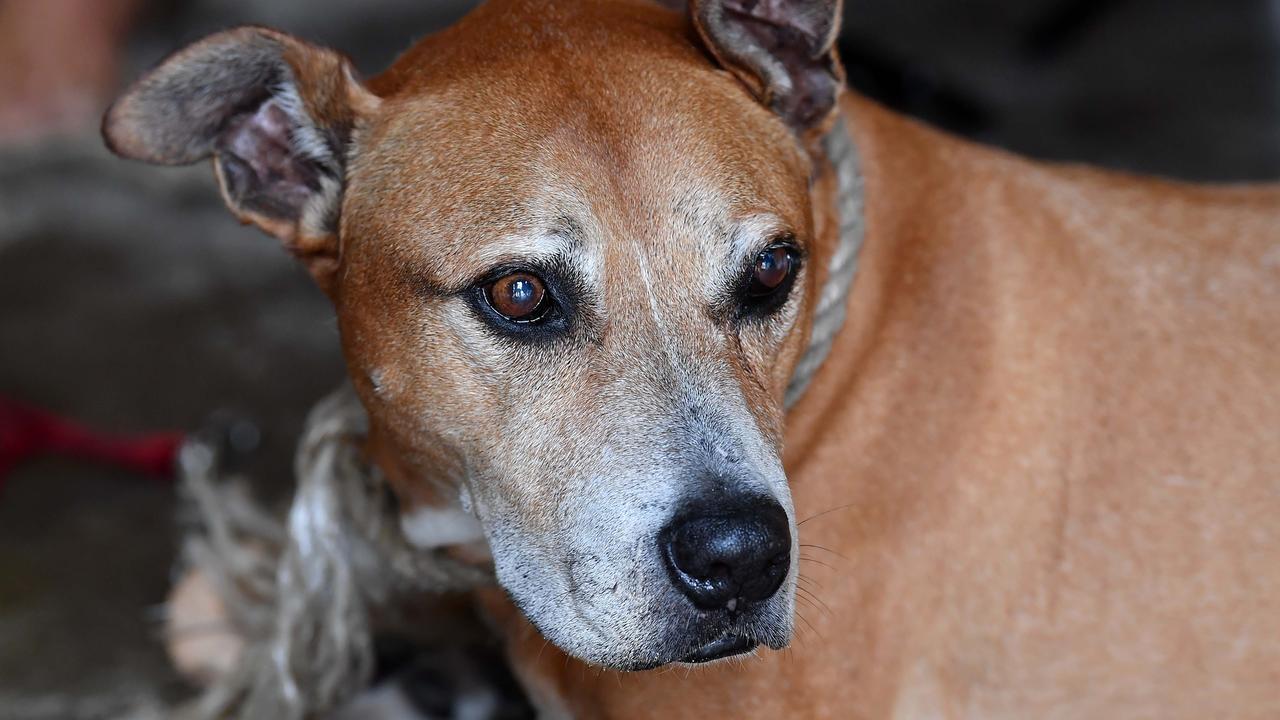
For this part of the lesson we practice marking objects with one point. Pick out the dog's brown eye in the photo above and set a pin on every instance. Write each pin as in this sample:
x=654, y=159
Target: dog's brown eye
x=772, y=268
x=519, y=297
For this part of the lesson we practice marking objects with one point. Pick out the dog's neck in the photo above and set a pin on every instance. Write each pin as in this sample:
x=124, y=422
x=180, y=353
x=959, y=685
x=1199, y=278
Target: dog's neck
x=842, y=265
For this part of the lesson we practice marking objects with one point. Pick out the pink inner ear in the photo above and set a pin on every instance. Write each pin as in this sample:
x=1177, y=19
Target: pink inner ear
x=264, y=171
x=811, y=19
x=787, y=44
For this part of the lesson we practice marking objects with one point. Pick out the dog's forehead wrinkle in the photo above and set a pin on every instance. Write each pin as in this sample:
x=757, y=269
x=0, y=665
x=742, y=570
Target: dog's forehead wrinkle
x=660, y=320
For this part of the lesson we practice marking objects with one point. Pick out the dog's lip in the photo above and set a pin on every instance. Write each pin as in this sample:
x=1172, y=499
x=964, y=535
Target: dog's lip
x=723, y=647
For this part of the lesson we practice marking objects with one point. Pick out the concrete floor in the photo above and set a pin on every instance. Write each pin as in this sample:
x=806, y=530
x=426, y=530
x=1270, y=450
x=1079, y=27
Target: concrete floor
x=131, y=300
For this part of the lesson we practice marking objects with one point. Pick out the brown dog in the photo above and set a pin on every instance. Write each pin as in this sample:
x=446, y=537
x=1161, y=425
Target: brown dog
x=576, y=250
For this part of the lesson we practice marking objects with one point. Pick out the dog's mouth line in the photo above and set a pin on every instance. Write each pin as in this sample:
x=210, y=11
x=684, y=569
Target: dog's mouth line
x=726, y=645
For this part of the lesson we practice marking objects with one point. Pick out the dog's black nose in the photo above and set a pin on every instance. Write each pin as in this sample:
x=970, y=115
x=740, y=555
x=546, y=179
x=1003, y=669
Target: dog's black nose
x=728, y=559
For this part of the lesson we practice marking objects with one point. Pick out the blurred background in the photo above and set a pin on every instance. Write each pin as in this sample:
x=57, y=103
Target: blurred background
x=132, y=302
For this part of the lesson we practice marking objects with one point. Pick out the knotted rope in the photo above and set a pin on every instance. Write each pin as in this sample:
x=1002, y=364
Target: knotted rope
x=829, y=313
x=302, y=592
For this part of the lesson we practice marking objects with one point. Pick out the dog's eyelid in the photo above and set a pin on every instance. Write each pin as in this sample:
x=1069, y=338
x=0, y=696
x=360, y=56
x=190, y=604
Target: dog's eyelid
x=554, y=270
x=785, y=239
x=782, y=239
x=745, y=251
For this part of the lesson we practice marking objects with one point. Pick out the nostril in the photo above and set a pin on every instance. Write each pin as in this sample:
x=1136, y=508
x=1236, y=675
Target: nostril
x=722, y=560
x=720, y=573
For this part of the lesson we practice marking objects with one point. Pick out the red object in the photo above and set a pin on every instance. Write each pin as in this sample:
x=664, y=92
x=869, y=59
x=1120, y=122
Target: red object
x=26, y=432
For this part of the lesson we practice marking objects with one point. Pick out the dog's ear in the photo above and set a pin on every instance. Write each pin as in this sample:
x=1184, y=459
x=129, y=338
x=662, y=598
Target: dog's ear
x=783, y=50
x=275, y=113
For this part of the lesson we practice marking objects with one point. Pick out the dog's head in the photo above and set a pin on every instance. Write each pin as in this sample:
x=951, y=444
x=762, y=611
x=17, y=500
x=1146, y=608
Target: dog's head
x=573, y=252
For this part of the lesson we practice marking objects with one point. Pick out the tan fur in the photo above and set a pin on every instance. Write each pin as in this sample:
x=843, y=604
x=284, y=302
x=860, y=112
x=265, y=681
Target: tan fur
x=1037, y=477
x=1051, y=430
x=1048, y=450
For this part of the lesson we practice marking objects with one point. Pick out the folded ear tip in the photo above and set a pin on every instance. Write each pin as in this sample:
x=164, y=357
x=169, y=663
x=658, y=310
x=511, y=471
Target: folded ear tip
x=122, y=136
x=784, y=51
x=109, y=130
x=125, y=132
x=166, y=116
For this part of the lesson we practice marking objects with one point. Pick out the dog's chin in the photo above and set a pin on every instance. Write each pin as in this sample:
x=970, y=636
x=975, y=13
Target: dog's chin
x=719, y=641
x=631, y=640
x=727, y=646
x=722, y=648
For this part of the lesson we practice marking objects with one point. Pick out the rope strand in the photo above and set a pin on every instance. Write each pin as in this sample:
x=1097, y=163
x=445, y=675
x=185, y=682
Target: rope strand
x=829, y=314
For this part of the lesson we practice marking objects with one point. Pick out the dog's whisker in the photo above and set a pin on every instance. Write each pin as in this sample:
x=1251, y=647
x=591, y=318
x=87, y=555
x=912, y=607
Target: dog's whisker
x=808, y=603
x=825, y=549
x=800, y=635
x=808, y=593
x=813, y=597
x=825, y=512
x=814, y=600
x=811, y=581
x=817, y=562
x=808, y=624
